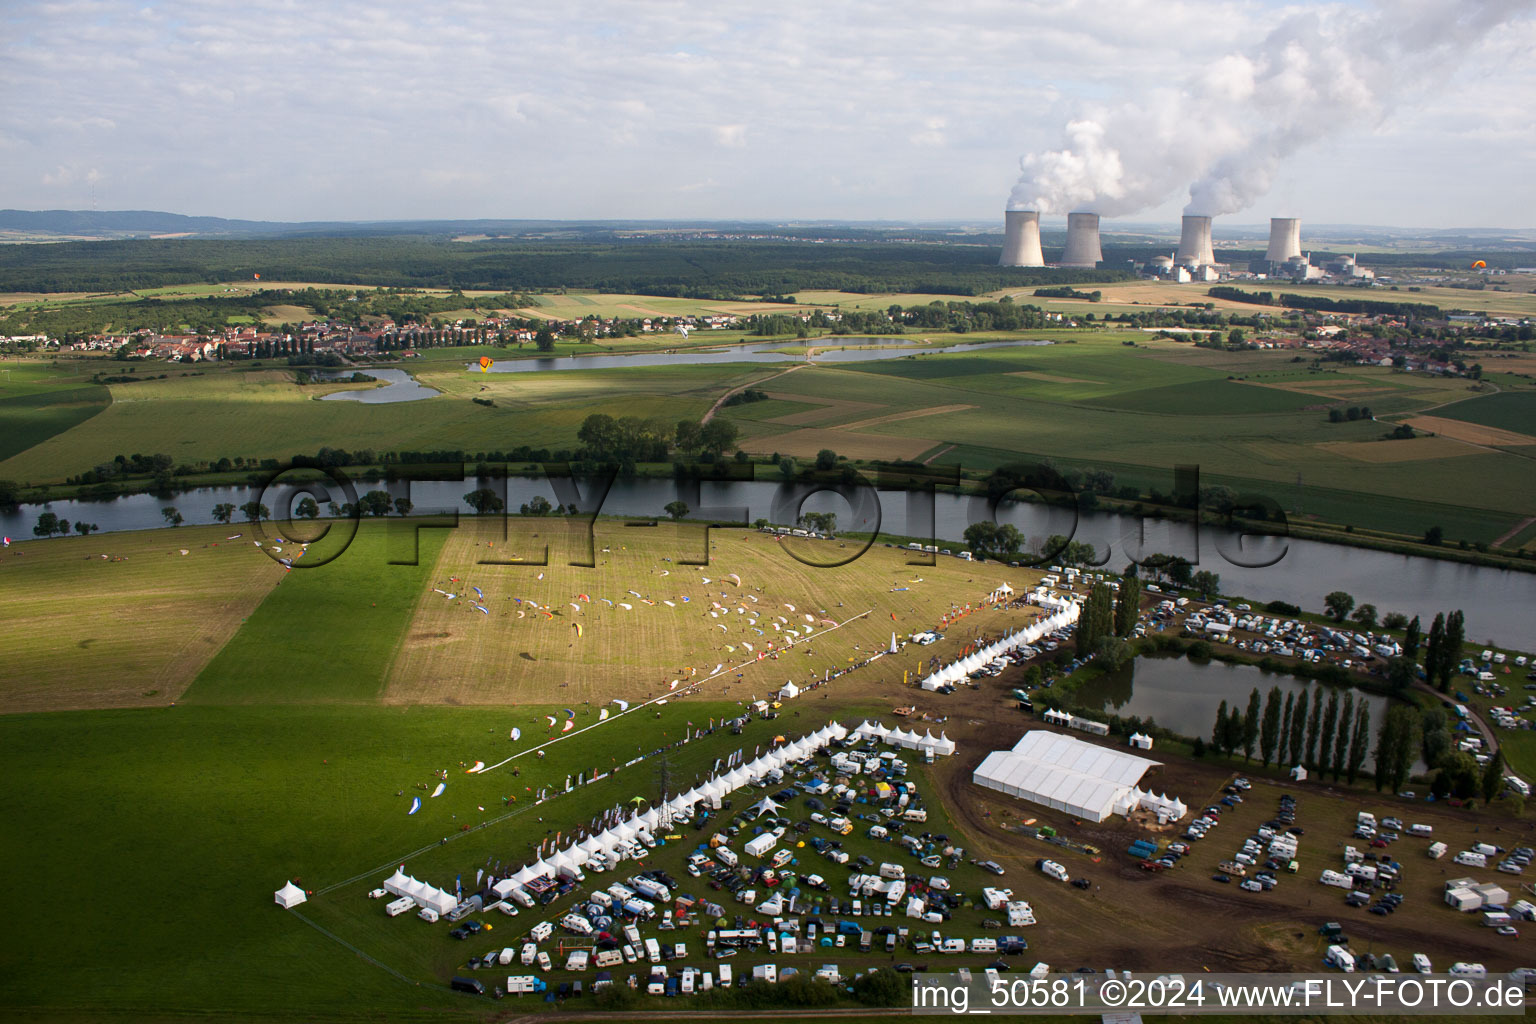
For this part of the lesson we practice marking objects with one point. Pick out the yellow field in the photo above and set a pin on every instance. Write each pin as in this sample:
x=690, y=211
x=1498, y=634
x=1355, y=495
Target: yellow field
x=1473, y=433
x=1050, y=378
x=453, y=653
x=139, y=629
x=1405, y=450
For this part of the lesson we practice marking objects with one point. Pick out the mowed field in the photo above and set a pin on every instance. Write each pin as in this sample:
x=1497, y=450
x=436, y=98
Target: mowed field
x=130, y=629
x=525, y=647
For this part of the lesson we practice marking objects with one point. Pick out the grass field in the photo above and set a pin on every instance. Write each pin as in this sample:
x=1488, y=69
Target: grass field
x=1511, y=411
x=329, y=632
x=128, y=630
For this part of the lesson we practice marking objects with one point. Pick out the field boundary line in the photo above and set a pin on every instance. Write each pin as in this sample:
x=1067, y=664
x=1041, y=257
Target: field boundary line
x=343, y=942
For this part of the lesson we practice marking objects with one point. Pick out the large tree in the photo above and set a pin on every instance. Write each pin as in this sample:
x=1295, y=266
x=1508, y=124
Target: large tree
x=1339, y=605
x=1314, y=726
x=1251, y=724
x=1434, y=651
x=1411, y=639
x=1127, y=606
x=484, y=501
x=1219, y=730
x=1359, y=742
x=1341, y=735
x=223, y=511
x=1330, y=724
x=1269, y=728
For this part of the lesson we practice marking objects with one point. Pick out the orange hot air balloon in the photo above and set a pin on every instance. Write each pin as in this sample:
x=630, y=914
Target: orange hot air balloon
x=1480, y=265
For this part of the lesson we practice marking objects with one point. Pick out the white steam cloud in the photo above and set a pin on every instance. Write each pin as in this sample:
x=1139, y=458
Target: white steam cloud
x=1227, y=128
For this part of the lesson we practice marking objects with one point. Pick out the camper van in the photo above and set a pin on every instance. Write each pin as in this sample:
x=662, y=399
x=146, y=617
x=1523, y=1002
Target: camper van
x=529, y=955
x=727, y=856
x=653, y=951
x=521, y=984
x=399, y=906
x=1470, y=859
x=541, y=931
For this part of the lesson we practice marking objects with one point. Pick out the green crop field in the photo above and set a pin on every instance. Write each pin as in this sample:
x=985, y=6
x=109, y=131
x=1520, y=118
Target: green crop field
x=1514, y=411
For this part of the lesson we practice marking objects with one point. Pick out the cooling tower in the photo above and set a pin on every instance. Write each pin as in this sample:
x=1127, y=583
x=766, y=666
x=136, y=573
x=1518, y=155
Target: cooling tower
x=1021, y=239
x=1195, y=242
x=1284, y=239
x=1082, y=241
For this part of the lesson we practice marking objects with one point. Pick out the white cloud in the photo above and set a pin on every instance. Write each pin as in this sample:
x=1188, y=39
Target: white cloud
x=596, y=108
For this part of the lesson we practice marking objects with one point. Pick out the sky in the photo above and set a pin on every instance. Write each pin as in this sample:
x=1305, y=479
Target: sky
x=648, y=109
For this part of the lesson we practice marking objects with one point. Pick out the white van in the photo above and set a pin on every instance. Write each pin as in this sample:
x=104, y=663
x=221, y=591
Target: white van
x=1421, y=830
x=1484, y=849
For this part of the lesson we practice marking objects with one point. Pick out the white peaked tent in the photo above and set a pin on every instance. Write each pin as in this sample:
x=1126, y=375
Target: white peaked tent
x=1299, y=773
x=1068, y=774
x=289, y=896
x=439, y=900
x=1141, y=741
x=767, y=805
x=788, y=690
x=592, y=845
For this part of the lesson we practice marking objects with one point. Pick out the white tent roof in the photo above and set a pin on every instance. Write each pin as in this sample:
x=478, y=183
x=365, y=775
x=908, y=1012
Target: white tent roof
x=289, y=896
x=1063, y=772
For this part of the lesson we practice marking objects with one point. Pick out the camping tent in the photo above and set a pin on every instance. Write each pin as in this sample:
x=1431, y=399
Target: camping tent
x=289, y=896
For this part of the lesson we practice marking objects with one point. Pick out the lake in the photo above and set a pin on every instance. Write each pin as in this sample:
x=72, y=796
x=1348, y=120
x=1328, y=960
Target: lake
x=401, y=387
x=1182, y=695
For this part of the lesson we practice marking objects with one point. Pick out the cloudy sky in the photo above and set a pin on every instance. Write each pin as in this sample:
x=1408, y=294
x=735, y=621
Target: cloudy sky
x=837, y=109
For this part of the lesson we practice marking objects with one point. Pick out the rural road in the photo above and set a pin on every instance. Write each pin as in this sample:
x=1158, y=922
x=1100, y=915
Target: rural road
x=721, y=400
x=1473, y=716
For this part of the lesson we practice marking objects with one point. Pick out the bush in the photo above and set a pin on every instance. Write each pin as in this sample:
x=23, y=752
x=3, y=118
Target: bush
x=1199, y=650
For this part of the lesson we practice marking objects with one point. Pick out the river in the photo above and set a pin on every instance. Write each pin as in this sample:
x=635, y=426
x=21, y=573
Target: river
x=826, y=351
x=1498, y=603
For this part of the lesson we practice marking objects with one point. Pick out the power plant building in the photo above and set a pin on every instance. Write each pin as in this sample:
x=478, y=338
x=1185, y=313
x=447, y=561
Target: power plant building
x=1021, y=239
x=1083, y=249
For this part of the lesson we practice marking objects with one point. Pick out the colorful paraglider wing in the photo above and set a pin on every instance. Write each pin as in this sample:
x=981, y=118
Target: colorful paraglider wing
x=517, y=734
x=486, y=362
x=569, y=713
x=1480, y=265
x=550, y=719
x=439, y=790
x=602, y=716
x=578, y=629
x=415, y=806
x=567, y=726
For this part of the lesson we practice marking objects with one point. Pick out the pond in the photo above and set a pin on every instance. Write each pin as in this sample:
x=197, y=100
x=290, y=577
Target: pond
x=1182, y=695
x=402, y=387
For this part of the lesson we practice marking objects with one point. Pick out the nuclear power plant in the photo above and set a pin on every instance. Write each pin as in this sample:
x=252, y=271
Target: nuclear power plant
x=1021, y=239
x=1195, y=243
x=1284, y=239
x=1082, y=241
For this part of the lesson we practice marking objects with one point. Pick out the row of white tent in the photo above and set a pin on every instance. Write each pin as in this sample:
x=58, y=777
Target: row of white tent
x=956, y=671
x=908, y=738
x=1166, y=808
x=710, y=792
x=427, y=896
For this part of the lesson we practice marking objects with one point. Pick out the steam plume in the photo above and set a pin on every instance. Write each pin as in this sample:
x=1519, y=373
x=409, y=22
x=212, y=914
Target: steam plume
x=1228, y=128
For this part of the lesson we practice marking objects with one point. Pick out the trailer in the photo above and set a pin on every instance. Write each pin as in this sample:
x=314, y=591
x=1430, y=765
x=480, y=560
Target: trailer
x=1437, y=850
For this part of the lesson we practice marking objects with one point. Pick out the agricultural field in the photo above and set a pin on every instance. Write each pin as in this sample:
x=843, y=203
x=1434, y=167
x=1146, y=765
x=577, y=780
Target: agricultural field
x=122, y=620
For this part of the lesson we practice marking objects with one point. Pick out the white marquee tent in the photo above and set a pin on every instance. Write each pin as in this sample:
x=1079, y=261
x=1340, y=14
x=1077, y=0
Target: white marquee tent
x=1065, y=773
x=1066, y=614
x=289, y=896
